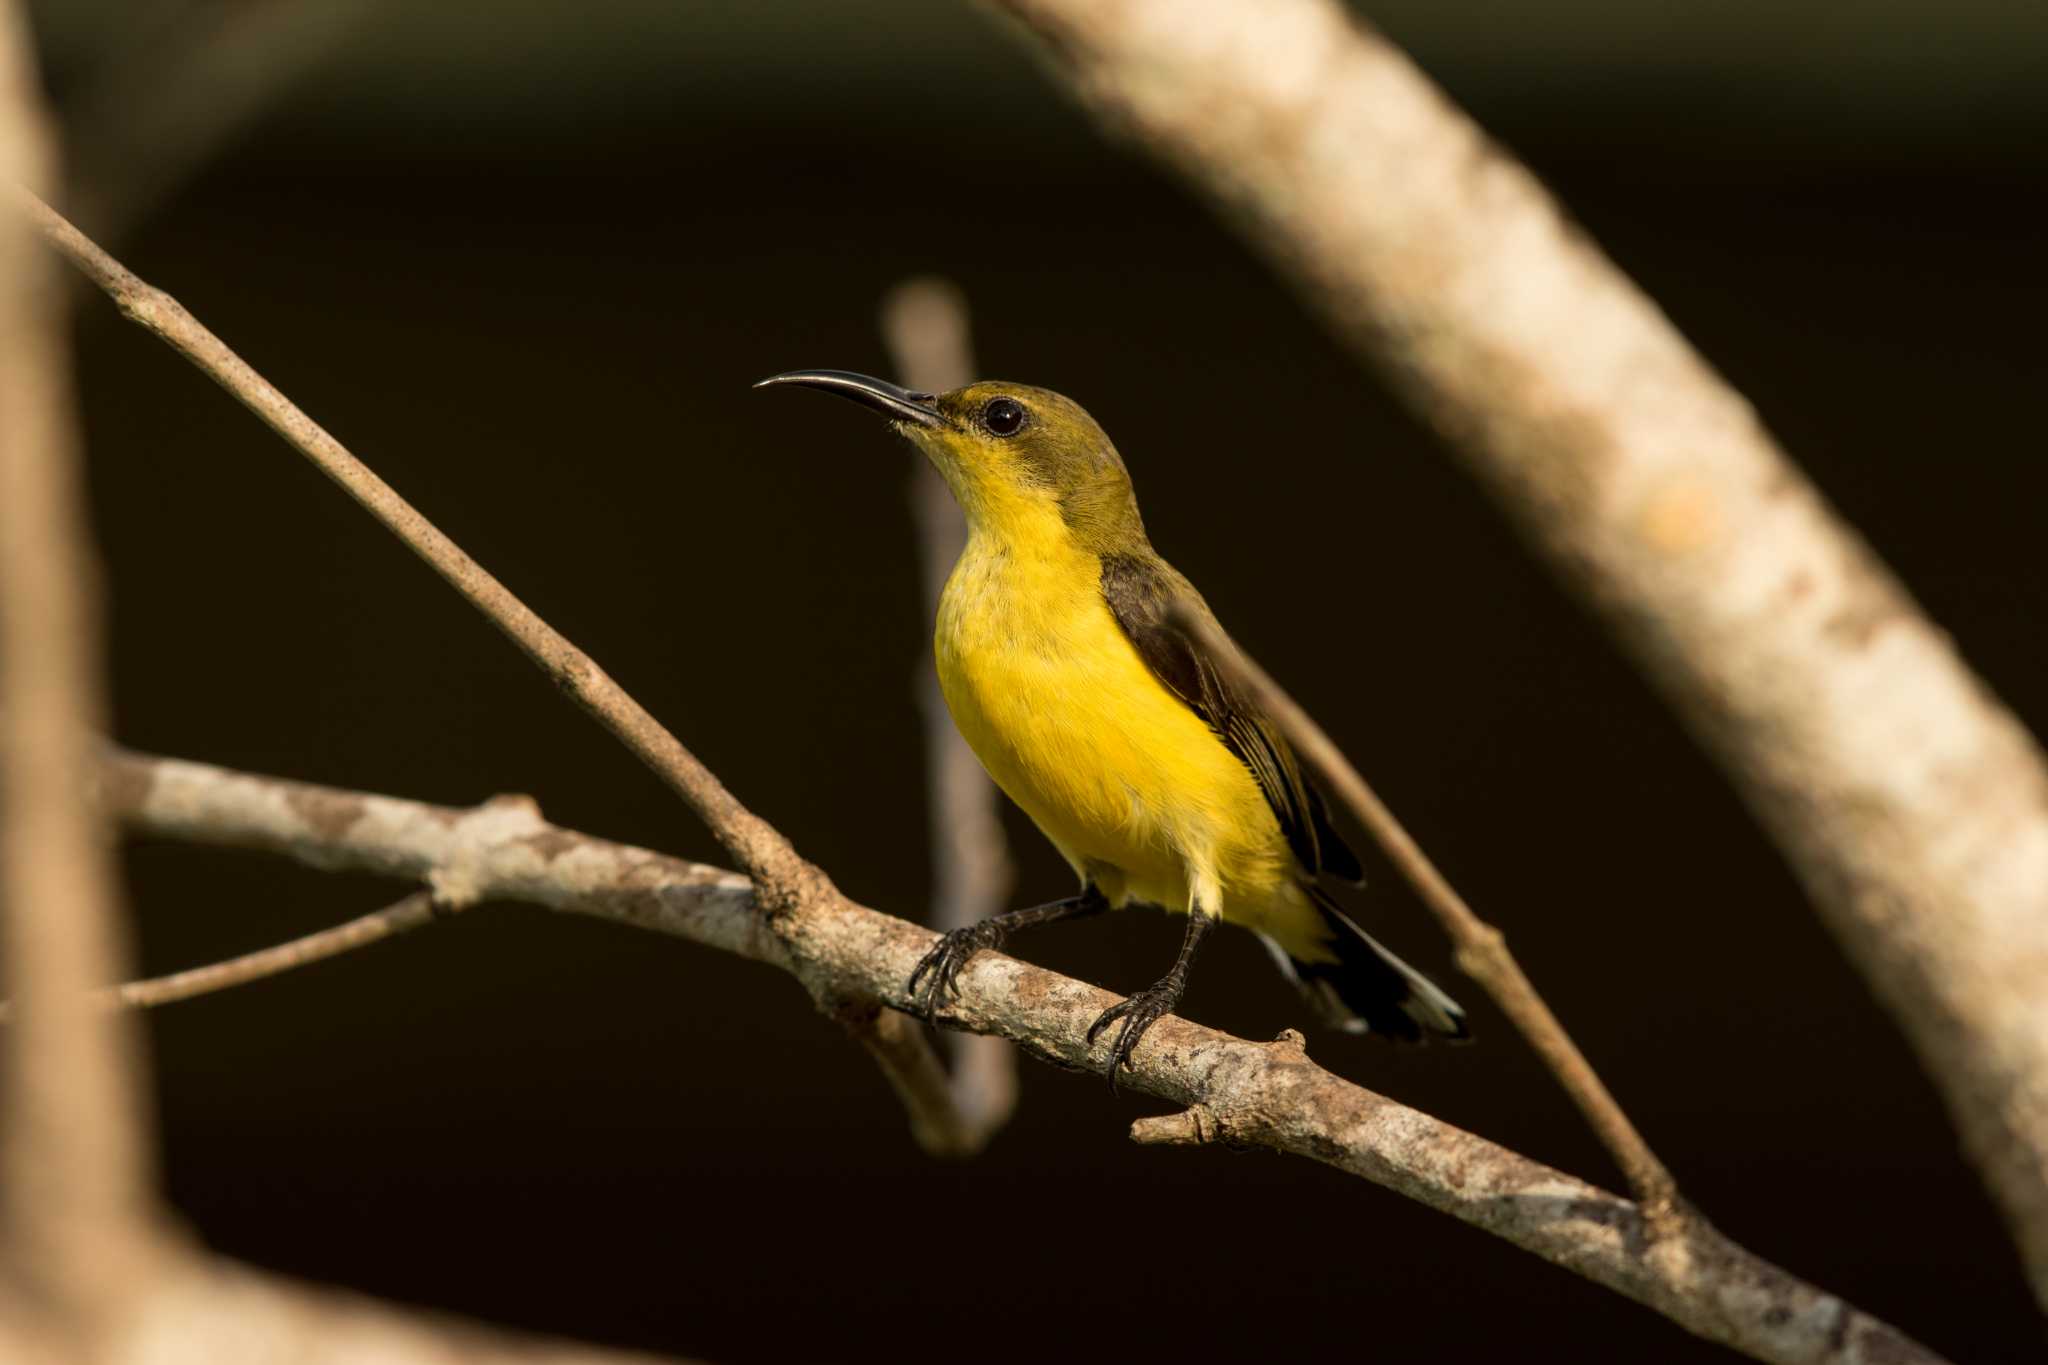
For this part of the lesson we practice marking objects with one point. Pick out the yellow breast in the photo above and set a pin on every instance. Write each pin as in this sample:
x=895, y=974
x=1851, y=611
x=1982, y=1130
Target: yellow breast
x=1128, y=782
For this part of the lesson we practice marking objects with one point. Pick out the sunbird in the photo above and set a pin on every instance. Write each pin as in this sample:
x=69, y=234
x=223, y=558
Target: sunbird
x=1065, y=665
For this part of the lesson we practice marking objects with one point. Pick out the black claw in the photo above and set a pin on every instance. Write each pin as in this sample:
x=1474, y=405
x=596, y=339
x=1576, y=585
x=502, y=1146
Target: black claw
x=1106, y=1018
x=940, y=968
x=1139, y=1013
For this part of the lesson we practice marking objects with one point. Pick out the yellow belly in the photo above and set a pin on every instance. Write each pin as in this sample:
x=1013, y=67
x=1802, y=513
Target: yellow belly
x=1130, y=785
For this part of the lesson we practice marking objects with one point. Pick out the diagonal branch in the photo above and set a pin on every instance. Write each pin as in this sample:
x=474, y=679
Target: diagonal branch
x=1912, y=804
x=924, y=322
x=1482, y=950
x=414, y=912
x=1253, y=1094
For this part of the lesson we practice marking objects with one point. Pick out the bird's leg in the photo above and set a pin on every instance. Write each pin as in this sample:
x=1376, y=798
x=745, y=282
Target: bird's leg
x=940, y=968
x=1144, y=1009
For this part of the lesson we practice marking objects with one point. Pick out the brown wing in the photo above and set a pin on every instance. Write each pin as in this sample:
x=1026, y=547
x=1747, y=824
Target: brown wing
x=1140, y=590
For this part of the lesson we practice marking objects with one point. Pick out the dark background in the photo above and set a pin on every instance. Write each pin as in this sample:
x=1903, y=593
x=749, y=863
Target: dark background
x=526, y=259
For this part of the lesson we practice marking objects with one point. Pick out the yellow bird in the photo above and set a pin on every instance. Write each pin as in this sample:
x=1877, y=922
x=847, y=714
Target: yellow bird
x=1110, y=725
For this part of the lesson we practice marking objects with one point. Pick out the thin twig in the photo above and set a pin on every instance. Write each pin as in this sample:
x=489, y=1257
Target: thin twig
x=1247, y=1094
x=411, y=913
x=76, y=1209
x=790, y=885
x=924, y=323
x=1911, y=803
x=1481, y=949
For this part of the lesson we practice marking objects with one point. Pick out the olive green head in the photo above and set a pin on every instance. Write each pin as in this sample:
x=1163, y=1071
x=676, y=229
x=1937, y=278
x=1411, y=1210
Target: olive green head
x=1007, y=450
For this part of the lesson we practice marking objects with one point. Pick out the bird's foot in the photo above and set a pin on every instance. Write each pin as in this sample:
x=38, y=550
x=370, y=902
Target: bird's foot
x=1139, y=1013
x=940, y=968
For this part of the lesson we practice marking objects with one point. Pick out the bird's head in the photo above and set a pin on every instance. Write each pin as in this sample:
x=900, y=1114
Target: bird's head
x=1011, y=453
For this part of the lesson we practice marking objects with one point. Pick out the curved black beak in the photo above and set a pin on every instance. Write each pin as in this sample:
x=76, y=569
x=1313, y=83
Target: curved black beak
x=896, y=404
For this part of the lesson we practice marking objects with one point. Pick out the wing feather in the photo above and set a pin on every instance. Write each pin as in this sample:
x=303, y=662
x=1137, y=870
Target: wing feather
x=1141, y=591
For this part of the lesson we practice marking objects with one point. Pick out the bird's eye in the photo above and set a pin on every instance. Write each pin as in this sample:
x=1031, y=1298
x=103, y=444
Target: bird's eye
x=1003, y=416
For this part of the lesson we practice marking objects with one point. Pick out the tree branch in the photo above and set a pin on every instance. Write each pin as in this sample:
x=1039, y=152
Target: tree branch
x=415, y=911
x=1263, y=1095
x=924, y=323
x=1482, y=951
x=1913, y=805
x=790, y=885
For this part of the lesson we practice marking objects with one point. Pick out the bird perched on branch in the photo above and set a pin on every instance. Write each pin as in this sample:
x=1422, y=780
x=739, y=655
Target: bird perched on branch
x=1065, y=664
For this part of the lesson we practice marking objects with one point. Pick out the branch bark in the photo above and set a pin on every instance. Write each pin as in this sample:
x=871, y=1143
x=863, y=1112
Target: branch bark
x=1251, y=1094
x=1912, y=804
x=924, y=323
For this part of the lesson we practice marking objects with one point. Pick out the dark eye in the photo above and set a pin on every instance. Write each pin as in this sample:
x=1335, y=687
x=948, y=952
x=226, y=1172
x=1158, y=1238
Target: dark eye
x=1003, y=416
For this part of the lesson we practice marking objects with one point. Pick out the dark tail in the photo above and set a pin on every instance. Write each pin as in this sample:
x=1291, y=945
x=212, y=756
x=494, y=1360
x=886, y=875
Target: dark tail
x=1368, y=989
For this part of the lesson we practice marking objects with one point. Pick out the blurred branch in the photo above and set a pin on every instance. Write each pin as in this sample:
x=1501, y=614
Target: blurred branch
x=924, y=323
x=411, y=913
x=211, y=1311
x=160, y=105
x=77, y=1211
x=1246, y=1094
x=791, y=887
x=1481, y=950
x=1913, y=805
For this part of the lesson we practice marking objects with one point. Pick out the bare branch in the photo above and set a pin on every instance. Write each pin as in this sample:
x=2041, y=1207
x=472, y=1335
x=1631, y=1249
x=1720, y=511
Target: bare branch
x=924, y=322
x=74, y=1159
x=790, y=885
x=1482, y=951
x=1251, y=1094
x=1912, y=804
x=411, y=913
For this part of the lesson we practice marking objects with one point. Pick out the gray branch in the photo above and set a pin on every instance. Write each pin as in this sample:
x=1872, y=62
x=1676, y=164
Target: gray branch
x=1256, y=1094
